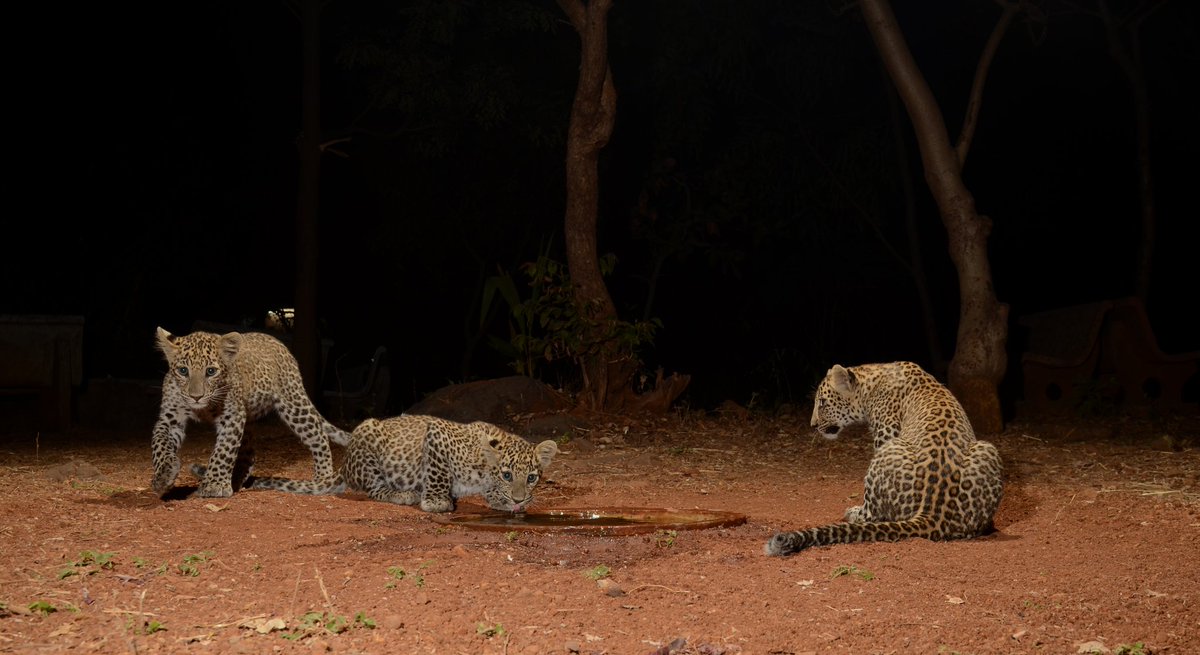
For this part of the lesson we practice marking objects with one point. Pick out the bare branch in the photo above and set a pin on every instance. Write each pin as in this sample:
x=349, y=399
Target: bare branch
x=575, y=12
x=971, y=120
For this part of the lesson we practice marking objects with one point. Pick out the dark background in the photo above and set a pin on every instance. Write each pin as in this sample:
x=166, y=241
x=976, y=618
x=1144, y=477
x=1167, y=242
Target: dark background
x=152, y=176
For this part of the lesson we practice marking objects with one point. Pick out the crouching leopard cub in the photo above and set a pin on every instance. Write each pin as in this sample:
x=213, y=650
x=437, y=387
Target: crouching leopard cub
x=929, y=477
x=432, y=462
x=227, y=380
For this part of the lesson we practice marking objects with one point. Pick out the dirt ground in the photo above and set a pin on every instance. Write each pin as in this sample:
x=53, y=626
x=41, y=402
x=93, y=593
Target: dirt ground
x=1095, y=552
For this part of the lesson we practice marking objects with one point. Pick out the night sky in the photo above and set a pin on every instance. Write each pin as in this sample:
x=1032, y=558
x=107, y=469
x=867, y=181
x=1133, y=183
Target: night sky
x=756, y=160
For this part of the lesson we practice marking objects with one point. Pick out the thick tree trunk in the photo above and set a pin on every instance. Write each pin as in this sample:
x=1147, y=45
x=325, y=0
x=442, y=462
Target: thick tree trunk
x=304, y=337
x=980, y=358
x=606, y=375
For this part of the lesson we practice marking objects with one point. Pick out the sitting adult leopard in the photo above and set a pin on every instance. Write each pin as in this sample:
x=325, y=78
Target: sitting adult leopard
x=929, y=477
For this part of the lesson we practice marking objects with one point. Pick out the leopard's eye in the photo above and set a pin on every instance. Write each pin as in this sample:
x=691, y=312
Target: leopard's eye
x=210, y=371
x=531, y=479
x=182, y=371
x=507, y=475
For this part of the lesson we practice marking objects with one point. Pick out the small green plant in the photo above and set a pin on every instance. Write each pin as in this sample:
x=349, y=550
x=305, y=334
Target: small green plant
x=92, y=561
x=365, y=621
x=336, y=624
x=511, y=535
x=419, y=578
x=139, y=562
x=665, y=538
x=597, y=572
x=314, y=622
x=551, y=326
x=188, y=566
x=489, y=631
x=102, y=560
x=399, y=574
x=144, y=627
x=851, y=570
x=1136, y=648
x=45, y=608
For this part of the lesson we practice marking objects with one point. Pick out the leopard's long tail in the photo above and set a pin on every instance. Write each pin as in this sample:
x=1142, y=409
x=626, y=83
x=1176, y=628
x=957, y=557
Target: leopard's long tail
x=306, y=487
x=786, y=543
x=336, y=435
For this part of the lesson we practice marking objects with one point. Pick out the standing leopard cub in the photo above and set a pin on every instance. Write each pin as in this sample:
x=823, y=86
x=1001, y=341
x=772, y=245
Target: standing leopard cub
x=929, y=477
x=432, y=462
x=227, y=380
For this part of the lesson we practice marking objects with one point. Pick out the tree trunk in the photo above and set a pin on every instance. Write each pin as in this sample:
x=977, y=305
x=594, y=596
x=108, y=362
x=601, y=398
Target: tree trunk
x=304, y=336
x=592, y=116
x=980, y=358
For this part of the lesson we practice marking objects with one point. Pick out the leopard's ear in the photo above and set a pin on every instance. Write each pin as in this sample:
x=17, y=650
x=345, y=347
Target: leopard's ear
x=166, y=343
x=842, y=379
x=231, y=343
x=545, y=452
x=488, y=444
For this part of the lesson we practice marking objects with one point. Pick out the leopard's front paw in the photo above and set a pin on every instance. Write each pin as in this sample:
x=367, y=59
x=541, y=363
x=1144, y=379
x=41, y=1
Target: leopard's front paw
x=437, y=505
x=207, y=490
x=164, y=477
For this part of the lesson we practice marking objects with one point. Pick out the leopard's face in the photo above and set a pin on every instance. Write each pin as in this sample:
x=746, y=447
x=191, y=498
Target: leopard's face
x=200, y=366
x=515, y=467
x=834, y=404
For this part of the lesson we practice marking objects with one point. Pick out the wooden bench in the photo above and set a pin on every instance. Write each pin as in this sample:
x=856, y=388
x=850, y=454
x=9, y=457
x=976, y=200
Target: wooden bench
x=1074, y=351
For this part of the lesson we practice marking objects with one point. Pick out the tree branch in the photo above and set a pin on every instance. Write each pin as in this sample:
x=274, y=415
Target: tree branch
x=575, y=12
x=971, y=120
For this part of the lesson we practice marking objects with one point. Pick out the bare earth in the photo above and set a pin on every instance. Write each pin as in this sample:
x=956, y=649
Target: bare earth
x=1095, y=552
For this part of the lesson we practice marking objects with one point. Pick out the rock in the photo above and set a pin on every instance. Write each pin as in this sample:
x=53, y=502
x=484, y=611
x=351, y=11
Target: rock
x=494, y=401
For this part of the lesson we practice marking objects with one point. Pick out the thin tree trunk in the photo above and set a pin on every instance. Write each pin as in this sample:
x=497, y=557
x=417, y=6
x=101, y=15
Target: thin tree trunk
x=592, y=115
x=980, y=359
x=304, y=344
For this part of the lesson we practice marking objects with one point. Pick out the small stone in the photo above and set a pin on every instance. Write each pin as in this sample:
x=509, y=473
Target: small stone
x=609, y=587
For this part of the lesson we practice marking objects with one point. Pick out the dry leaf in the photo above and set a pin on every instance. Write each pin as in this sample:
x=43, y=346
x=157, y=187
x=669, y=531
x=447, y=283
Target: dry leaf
x=954, y=600
x=64, y=629
x=1019, y=633
x=1090, y=647
x=213, y=508
x=263, y=626
x=804, y=583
